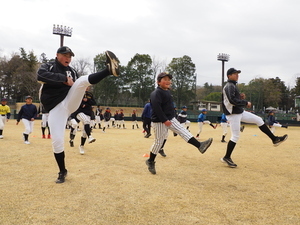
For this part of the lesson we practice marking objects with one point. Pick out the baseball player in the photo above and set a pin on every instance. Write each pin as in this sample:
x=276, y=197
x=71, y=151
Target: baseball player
x=107, y=118
x=27, y=113
x=98, y=117
x=44, y=124
x=4, y=115
x=163, y=119
x=134, y=119
x=61, y=94
x=182, y=118
x=202, y=120
x=146, y=118
x=273, y=123
x=232, y=104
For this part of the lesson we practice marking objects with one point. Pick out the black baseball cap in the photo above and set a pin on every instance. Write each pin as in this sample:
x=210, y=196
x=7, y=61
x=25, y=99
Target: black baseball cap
x=64, y=50
x=164, y=74
x=232, y=71
x=3, y=100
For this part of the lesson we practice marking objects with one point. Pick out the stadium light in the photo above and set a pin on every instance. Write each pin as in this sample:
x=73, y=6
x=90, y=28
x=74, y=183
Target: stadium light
x=224, y=58
x=62, y=31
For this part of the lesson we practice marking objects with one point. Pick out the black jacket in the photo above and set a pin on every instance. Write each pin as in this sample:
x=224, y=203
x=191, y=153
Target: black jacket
x=231, y=99
x=52, y=75
x=162, y=105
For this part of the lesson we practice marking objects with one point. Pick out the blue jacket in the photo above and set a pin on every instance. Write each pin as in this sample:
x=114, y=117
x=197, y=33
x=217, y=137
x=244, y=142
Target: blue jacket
x=147, y=111
x=27, y=111
x=201, y=117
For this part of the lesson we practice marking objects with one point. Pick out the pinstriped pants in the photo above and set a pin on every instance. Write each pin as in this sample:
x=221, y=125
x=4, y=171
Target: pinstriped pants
x=161, y=133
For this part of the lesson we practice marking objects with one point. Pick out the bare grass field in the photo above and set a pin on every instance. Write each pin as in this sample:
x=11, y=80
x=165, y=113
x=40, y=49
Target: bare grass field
x=111, y=184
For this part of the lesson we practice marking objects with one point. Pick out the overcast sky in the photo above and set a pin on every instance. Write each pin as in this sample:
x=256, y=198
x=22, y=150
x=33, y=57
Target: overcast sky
x=262, y=37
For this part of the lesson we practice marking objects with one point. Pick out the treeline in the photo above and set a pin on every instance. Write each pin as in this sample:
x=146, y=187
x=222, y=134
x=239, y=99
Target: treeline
x=133, y=87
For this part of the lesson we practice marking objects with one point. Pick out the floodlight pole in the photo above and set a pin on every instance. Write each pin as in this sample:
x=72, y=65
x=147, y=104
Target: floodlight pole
x=224, y=58
x=62, y=31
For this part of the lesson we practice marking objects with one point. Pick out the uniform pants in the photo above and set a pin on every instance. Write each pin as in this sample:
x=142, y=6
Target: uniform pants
x=235, y=123
x=2, y=121
x=161, y=133
x=28, y=126
x=60, y=113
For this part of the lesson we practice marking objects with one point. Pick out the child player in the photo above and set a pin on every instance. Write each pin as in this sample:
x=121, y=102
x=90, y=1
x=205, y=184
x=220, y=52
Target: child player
x=163, y=119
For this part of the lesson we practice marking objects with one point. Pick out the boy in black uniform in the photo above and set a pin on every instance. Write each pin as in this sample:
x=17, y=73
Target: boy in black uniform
x=163, y=118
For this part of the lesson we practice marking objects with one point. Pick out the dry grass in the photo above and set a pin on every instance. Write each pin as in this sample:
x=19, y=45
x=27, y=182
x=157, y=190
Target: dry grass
x=110, y=184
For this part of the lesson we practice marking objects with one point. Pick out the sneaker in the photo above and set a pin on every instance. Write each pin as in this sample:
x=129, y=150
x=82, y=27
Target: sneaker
x=279, y=140
x=112, y=63
x=27, y=142
x=81, y=149
x=1, y=136
x=151, y=166
x=49, y=136
x=162, y=153
x=43, y=136
x=71, y=143
x=223, y=141
x=229, y=162
x=242, y=128
x=61, y=177
x=91, y=139
x=205, y=145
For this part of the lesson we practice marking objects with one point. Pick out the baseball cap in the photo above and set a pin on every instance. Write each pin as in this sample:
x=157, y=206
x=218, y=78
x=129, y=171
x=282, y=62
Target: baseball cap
x=232, y=71
x=64, y=50
x=28, y=96
x=3, y=100
x=164, y=74
x=184, y=107
x=204, y=110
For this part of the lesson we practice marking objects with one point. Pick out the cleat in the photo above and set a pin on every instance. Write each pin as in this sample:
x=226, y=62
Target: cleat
x=49, y=136
x=1, y=136
x=81, y=150
x=279, y=140
x=112, y=63
x=71, y=143
x=61, y=177
x=91, y=139
x=229, y=162
x=43, y=136
x=27, y=142
x=151, y=166
x=205, y=145
x=162, y=153
x=242, y=128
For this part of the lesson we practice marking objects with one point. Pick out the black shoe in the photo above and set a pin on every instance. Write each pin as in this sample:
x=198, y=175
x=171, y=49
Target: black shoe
x=71, y=143
x=242, y=128
x=175, y=134
x=205, y=145
x=229, y=162
x=279, y=140
x=151, y=166
x=147, y=135
x=162, y=153
x=61, y=177
x=112, y=63
x=223, y=141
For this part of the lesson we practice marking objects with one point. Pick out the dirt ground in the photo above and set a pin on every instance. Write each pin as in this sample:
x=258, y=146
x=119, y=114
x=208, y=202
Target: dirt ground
x=111, y=184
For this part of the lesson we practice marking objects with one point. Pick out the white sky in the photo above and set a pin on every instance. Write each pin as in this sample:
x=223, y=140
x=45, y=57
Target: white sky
x=261, y=36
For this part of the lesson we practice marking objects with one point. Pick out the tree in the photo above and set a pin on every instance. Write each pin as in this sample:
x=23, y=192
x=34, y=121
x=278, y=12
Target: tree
x=140, y=77
x=184, y=79
x=106, y=91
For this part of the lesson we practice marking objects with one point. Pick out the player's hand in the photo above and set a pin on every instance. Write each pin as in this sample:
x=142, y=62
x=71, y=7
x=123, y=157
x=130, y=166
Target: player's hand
x=249, y=105
x=168, y=123
x=243, y=96
x=69, y=81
